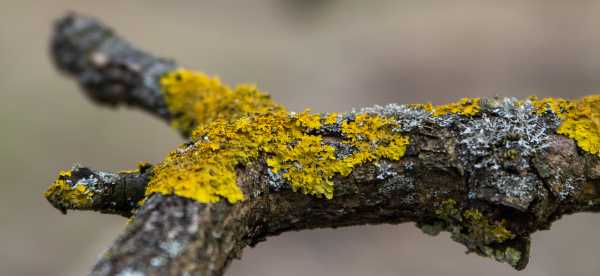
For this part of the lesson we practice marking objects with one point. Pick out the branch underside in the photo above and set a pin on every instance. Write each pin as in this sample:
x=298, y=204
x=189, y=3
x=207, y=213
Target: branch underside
x=490, y=180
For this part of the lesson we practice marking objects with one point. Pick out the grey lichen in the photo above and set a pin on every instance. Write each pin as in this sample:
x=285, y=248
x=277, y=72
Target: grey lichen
x=158, y=261
x=385, y=170
x=172, y=248
x=275, y=180
x=407, y=118
x=505, y=129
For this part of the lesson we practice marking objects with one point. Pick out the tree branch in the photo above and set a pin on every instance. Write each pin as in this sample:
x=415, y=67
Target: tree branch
x=489, y=171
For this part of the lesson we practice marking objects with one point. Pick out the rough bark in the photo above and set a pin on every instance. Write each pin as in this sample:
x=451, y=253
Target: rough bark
x=440, y=183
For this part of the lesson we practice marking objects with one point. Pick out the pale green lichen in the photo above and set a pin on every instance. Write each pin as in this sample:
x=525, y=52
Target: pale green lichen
x=448, y=210
x=481, y=227
x=509, y=255
x=472, y=223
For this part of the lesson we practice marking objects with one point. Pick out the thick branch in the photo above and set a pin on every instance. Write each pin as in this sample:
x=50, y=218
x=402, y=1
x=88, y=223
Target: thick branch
x=172, y=235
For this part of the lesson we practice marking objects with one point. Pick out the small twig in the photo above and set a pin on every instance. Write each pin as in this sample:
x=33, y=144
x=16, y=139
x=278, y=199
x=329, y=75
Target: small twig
x=82, y=188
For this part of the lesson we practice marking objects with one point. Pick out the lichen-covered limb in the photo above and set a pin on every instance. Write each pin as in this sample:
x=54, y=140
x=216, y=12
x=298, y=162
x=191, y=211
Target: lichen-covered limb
x=490, y=171
x=491, y=180
x=492, y=213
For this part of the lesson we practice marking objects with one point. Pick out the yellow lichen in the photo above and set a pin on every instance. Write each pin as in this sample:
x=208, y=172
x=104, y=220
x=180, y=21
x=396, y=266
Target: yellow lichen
x=194, y=99
x=307, y=164
x=70, y=195
x=557, y=106
x=234, y=127
x=331, y=119
x=368, y=132
x=580, y=119
x=308, y=120
x=464, y=106
x=206, y=170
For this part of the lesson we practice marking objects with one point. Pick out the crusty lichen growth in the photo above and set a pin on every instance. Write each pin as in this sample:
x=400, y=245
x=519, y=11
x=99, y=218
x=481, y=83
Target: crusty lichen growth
x=205, y=169
x=464, y=106
x=195, y=99
x=580, y=119
x=69, y=195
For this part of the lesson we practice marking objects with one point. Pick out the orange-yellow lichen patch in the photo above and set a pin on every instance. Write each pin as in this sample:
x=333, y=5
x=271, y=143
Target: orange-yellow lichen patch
x=580, y=119
x=308, y=165
x=67, y=194
x=368, y=133
x=464, y=106
x=331, y=118
x=195, y=99
x=308, y=120
x=557, y=106
x=206, y=170
x=240, y=125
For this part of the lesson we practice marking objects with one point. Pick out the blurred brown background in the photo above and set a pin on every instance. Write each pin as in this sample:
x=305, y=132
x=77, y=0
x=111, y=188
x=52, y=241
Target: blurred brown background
x=327, y=55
